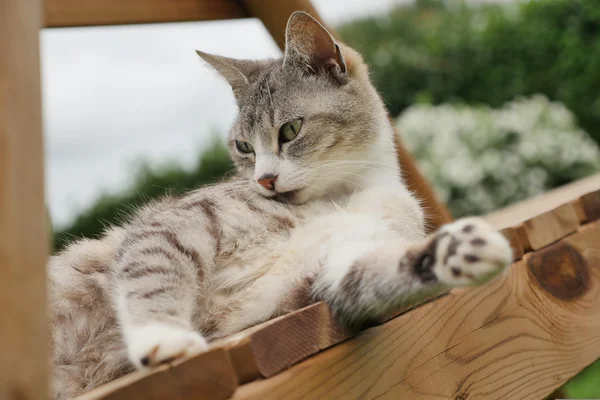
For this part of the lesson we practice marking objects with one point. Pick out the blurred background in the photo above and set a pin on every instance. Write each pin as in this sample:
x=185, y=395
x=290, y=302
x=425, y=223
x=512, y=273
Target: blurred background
x=498, y=97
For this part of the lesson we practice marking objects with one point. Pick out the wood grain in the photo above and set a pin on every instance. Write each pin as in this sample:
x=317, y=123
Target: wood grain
x=68, y=13
x=207, y=376
x=521, y=336
x=24, y=334
x=551, y=226
x=295, y=338
x=275, y=345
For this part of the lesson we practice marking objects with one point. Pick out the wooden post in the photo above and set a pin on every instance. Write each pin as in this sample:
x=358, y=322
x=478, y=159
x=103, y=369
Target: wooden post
x=274, y=15
x=24, y=339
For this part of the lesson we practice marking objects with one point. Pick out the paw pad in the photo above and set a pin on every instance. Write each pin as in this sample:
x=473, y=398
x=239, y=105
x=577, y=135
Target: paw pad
x=468, y=252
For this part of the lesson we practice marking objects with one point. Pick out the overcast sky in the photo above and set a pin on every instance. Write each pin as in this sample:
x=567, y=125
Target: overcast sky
x=115, y=95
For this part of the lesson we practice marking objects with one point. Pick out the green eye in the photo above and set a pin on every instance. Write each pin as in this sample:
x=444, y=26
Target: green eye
x=289, y=130
x=244, y=147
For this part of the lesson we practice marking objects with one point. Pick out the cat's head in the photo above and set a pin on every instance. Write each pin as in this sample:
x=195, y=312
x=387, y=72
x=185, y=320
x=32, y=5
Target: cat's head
x=308, y=122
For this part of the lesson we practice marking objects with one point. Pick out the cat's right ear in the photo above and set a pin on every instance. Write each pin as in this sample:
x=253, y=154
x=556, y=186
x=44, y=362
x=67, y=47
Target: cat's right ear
x=308, y=45
x=238, y=73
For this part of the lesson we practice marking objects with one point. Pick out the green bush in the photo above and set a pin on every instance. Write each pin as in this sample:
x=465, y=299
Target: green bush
x=213, y=165
x=445, y=51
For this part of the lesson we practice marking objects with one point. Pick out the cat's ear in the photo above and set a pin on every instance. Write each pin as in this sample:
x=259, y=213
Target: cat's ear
x=238, y=73
x=308, y=45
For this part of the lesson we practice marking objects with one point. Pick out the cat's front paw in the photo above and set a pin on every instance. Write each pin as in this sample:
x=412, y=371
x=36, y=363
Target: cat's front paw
x=470, y=252
x=159, y=343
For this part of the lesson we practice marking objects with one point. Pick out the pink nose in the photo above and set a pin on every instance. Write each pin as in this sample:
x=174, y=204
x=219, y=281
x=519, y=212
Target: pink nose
x=267, y=181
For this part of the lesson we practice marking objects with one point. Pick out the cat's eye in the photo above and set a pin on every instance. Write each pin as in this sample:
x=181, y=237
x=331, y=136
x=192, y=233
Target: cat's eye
x=244, y=147
x=289, y=130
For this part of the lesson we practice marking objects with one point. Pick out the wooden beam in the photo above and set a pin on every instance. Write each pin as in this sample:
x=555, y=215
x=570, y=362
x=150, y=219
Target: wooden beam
x=521, y=336
x=274, y=14
x=68, y=13
x=208, y=376
x=24, y=335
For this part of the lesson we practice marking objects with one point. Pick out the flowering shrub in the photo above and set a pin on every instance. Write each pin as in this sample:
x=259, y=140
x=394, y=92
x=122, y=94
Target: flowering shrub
x=480, y=159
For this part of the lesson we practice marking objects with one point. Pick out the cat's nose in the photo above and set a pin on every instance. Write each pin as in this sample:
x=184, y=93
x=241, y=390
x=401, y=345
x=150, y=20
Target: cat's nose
x=267, y=181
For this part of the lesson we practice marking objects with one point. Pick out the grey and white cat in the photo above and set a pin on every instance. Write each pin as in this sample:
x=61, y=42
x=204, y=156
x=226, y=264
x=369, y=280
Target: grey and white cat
x=317, y=211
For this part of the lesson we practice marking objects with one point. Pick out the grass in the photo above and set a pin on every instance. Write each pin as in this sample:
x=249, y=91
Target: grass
x=586, y=384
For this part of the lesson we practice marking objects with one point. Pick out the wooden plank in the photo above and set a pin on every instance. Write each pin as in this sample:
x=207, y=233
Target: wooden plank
x=551, y=226
x=512, y=236
x=68, y=13
x=24, y=334
x=522, y=235
x=207, y=376
x=588, y=207
x=274, y=346
x=515, y=214
x=295, y=338
x=521, y=336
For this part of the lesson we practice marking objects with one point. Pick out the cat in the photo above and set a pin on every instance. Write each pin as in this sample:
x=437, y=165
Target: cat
x=317, y=210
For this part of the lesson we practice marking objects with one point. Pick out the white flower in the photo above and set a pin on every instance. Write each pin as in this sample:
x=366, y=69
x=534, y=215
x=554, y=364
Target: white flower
x=480, y=158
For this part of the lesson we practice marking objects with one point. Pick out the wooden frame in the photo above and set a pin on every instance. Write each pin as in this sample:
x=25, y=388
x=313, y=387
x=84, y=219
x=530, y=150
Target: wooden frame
x=23, y=232
x=553, y=286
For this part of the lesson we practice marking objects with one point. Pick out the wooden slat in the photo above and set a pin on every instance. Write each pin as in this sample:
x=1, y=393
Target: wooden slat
x=24, y=335
x=551, y=226
x=588, y=207
x=512, y=236
x=294, y=338
x=208, y=376
x=521, y=337
x=68, y=13
x=273, y=346
x=515, y=214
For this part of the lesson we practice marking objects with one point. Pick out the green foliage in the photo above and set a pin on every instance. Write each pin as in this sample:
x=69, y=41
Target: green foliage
x=214, y=164
x=586, y=384
x=444, y=51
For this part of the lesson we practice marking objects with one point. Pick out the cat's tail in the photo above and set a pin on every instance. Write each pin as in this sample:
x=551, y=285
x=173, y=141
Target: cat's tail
x=86, y=342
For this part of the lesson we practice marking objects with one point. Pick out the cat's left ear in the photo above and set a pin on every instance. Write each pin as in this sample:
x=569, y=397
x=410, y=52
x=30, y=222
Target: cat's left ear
x=308, y=45
x=238, y=73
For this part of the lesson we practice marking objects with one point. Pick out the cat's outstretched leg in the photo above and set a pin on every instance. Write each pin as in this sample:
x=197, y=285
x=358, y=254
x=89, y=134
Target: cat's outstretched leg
x=365, y=280
x=156, y=286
